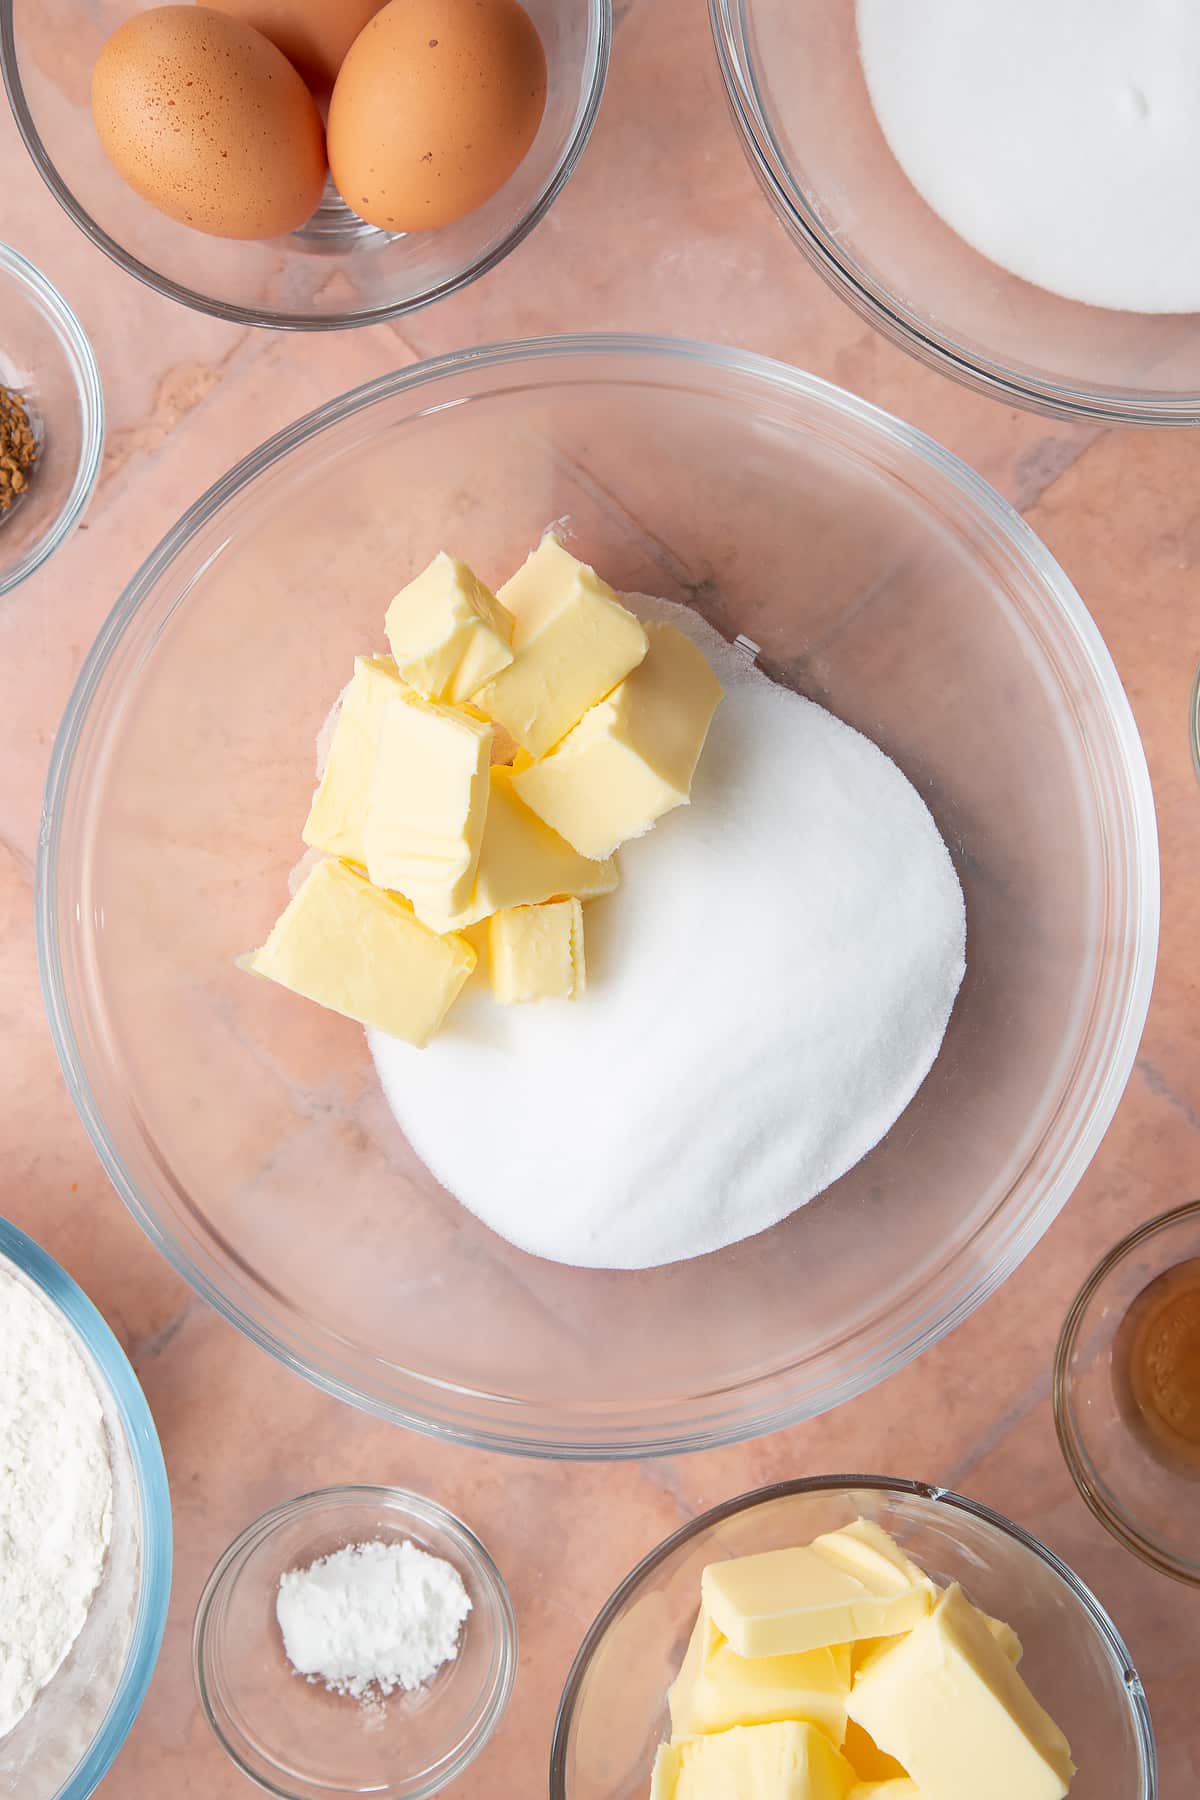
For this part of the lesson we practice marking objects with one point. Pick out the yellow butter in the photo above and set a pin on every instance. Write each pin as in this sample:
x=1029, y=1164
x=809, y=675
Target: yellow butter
x=784, y=1602
x=337, y=819
x=361, y=952
x=428, y=806
x=788, y=1760
x=948, y=1704
x=632, y=757
x=572, y=643
x=448, y=633
x=536, y=952
x=665, y=1773
x=717, y=1688
x=869, y=1761
x=523, y=863
x=896, y=1787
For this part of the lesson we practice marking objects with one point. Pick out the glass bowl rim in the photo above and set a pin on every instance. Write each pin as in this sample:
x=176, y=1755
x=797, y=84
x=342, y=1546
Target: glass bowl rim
x=594, y=77
x=839, y=1484
x=81, y=359
x=431, y=1513
x=154, y=1499
x=1070, y=1441
x=874, y=302
x=1062, y=603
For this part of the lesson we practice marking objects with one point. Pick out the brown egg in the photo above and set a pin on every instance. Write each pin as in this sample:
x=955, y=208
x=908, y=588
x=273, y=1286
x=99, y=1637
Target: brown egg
x=314, y=35
x=209, y=122
x=436, y=104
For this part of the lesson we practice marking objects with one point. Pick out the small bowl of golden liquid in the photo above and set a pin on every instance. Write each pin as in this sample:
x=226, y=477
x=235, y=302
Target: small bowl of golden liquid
x=1127, y=1392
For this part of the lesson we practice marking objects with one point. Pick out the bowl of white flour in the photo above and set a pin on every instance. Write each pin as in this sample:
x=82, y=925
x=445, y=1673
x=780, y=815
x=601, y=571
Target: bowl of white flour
x=85, y=1520
x=1004, y=189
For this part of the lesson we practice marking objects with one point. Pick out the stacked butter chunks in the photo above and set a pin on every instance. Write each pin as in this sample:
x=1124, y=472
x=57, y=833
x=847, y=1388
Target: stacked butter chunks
x=838, y=1671
x=477, y=783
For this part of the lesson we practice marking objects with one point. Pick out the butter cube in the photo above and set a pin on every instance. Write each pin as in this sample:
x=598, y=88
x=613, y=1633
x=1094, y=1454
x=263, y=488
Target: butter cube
x=632, y=757
x=338, y=817
x=789, y=1760
x=949, y=1705
x=523, y=863
x=428, y=805
x=536, y=952
x=717, y=1688
x=784, y=1602
x=362, y=953
x=448, y=633
x=572, y=643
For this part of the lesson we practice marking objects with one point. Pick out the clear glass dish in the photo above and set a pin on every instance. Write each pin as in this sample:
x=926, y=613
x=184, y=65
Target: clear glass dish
x=293, y=1738
x=795, y=86
x=1146, y=1499
x=47, y=360
x=249, y=1134
x=336, y=271
x=66, y=1742
x=613, y=1711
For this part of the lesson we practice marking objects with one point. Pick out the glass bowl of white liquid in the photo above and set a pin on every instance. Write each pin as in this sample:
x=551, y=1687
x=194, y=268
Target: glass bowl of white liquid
x=248, y=1132
x=999, y=205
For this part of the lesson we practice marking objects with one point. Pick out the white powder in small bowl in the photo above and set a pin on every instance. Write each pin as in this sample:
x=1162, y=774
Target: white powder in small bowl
x=375, y=1616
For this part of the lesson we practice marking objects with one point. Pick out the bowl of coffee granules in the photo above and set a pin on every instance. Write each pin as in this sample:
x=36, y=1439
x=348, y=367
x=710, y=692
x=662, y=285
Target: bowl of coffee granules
x=51, y=419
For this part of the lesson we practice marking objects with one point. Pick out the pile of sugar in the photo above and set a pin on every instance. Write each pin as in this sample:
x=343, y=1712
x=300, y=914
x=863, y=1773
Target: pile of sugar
x=55, y=1495
x=1059, y=137
x=767, y=990
x=372, y=1617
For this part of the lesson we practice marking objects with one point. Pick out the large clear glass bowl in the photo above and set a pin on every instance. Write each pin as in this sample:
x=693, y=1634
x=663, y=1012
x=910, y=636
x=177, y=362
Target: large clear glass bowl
x=613, y=1710
x=66, y=1742
x=336, y=271
x=795, y=86
x=249, y=1135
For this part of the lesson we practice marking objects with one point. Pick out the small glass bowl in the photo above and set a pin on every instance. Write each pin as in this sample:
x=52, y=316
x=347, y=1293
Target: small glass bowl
x=47, y=360
x=292, y=1736
x=613, y=1711
x=1147, y=1504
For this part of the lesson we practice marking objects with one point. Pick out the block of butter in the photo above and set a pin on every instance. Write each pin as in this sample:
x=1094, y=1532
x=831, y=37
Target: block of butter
x=871, y=1764
x=536, y=952
x=572, y=643
x=788, y=1760
x=448, y=633
x=522, y=862
x=949, y=1705
x=632, y=757
x=716, y=1688
x=784, y=1602
x=338, y=817
x=428, y=806
x=361, y=952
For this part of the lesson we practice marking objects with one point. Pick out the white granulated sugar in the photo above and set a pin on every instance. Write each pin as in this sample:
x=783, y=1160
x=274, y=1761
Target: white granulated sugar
x=55, y=1495
x=767, y=990
x=372, y=1617
x=1059, y=137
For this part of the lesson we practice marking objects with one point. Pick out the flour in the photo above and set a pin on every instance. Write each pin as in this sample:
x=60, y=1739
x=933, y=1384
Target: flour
x=1059, y=137
x=767, y=990
x=55, y=1495
x=372, y=1616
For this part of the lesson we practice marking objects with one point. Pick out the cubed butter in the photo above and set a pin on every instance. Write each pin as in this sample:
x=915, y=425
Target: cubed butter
x=428, y=807
x=632, y=757
x=572, y=643
x=788, y=1760
x=448, y=633
x=536, y=952
x=717, y=1688
x=948, y=1704
x=337, y=820
x=523, y=863
x=784, y=1602
x=361, y=952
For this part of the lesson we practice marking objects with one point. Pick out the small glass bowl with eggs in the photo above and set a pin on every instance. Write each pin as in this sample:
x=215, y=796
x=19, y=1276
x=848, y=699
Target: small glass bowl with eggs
x=295, y=164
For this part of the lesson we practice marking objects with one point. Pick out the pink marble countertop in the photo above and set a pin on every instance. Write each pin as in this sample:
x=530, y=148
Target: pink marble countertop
x=683, y=242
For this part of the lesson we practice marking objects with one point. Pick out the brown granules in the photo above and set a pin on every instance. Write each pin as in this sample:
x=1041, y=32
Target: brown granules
x=18, y=448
